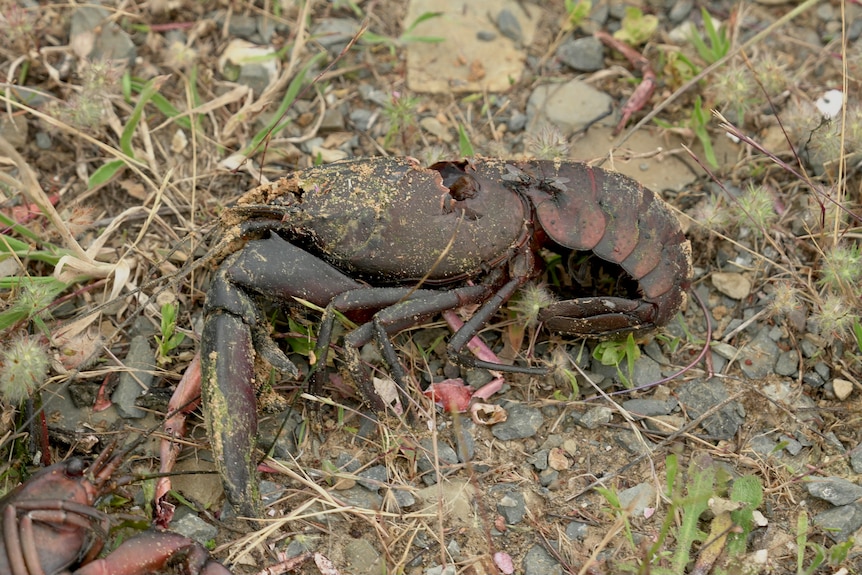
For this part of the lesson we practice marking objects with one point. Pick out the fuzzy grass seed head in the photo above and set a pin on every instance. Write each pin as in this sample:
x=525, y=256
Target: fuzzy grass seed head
x=25, y=366
x=841, y=267
x=547, y=144
x=533, y=298
x=834, y=318
x=756, y=210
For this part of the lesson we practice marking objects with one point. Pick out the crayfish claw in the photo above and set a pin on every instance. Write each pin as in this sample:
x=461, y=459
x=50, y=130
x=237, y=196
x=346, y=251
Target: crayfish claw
x=269, y=350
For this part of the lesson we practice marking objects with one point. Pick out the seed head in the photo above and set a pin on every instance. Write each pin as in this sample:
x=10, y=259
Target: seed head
x=841, y=267
x=735, y=90
x=18, y=25
x=532, y=300
x=773, y=75
x=801, y=119
x=756, y=209
x=834, y=318
x=712, y=214
x=547, y=144
x=25, y=365
x=35, y=296
x=785, y=300
x=853, y=129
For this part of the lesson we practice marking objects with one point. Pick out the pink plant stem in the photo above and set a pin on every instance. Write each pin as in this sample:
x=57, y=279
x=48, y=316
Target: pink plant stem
x=645, y=89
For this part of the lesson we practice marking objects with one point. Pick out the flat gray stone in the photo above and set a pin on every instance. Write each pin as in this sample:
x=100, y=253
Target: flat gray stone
x=650, y=407
x=841, y=522
x=596, y=417
x=646, y=371
x=334, y=33
x=791, y=446
x=523, y=421
x=537, y=561
x=835, y=490
x=763, y=446
x=636, y=499
x=512, y=507
x=571, y=106
x=373, y=478
x=856, y=459
x=582, y=54
x=788, y=363
x=577, y=530
x=363, y=558
x=93, y=27
x=758, y=358
x=699, y=395
x=195, y=528
x=141, y=364
x=539, y=460
x=275, y=430
x=508, y=25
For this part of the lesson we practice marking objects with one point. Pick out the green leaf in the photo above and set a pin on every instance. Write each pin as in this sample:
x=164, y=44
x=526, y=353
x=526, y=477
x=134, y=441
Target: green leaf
x=464, y=145
x=578, y=11
x=857, y=331
x=178, y=496
x=749, y=490
x=11, y=317
x=838, y=553
x=426, y=39
x=288, y=99
x=609, y=352
x=424, y=17
x=105, y=173
x=637, y=27
x=717, y=37
x=148, y=91
x=165, y=107
x=719, y=43
x=699, y=488
x=126, y=86
x=699, y=121
x=14, y=226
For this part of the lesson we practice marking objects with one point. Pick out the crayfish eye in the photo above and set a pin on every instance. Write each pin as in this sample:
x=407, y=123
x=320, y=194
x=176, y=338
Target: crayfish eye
x=75, y=467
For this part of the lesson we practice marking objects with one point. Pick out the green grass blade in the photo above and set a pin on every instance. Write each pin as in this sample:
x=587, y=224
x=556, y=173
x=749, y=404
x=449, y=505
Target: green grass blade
x=105, y=173
x=50, y=254
x=147, y=92
x=19, y=229
x=424, y=17
x=289, y=97
x=464, y=145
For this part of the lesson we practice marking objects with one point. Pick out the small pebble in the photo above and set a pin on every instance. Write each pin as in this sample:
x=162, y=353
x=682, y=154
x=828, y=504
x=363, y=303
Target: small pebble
x=557, y=459
x=733, y=285
x=509, y=26
x=842, y=388
x=43, y=141
x=596, y=417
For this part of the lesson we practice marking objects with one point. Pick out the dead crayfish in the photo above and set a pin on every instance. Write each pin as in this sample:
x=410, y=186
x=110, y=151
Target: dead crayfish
x=51, y=527
x=392, y=243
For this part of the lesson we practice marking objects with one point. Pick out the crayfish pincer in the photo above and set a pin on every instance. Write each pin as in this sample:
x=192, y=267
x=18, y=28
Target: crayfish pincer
x=51, y=527
x=391, y=243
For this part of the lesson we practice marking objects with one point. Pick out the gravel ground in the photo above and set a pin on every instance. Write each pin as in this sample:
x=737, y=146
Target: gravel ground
x=577, y=478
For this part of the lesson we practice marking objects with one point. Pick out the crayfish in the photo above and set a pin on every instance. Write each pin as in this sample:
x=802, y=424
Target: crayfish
x=391, y=243
x=51, y=527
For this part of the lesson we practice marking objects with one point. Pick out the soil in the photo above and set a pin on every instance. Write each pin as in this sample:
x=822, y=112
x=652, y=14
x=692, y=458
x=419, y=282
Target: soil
x=756, y=381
